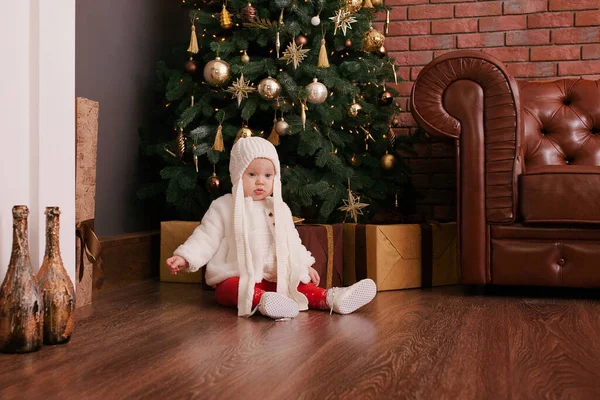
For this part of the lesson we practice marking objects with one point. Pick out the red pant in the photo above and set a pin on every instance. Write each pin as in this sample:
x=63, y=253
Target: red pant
x=227, y=293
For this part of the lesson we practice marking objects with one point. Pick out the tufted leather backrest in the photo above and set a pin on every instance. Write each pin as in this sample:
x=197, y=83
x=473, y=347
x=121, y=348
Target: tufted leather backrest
x=561, y=122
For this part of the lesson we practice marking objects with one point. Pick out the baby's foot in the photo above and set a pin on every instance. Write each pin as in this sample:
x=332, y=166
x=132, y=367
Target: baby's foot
x=277, y=306
x=349, y=299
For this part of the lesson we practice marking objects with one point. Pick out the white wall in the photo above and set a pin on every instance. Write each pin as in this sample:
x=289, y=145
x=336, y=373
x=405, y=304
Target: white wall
x=37, y=121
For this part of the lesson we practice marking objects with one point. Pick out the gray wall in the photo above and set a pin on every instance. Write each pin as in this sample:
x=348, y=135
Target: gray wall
x=118, y=43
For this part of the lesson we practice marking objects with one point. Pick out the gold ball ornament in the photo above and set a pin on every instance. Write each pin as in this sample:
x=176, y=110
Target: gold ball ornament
x=190, y=66
x=269, y=88
x=213, y=183
x=376, y=3
x=395, y=122
x=373, y=40
x=245, y=58
x=282, y=127
x=348, y=43
x=317, y=92
x=386, y=98
x=388, y=162
x=217, y=72
x=244, y=132
x=354, y=5
x=354, y=109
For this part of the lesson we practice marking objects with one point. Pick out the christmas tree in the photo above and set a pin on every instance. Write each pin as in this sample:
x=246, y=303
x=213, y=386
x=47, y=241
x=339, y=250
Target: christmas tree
x=308, y=75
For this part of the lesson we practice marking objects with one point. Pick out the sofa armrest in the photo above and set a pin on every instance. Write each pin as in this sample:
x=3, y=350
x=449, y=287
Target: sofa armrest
x=471, y=93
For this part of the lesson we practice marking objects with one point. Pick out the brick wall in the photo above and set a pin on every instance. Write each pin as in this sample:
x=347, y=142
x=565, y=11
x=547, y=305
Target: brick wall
x=536, y=39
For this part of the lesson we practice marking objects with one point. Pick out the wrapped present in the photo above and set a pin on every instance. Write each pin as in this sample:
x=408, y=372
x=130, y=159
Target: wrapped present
x=401, y=256
x=439, y=256
x=172, y=235
x=88, y=248
x=325, y=242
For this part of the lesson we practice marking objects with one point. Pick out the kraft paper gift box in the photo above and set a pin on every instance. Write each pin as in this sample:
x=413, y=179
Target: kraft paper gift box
x=172, y=235
x=325, y=242
x=401, y=256
x=88, y=249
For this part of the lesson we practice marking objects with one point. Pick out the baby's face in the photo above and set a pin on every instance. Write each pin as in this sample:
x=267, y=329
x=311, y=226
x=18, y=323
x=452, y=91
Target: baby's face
x=258, y=179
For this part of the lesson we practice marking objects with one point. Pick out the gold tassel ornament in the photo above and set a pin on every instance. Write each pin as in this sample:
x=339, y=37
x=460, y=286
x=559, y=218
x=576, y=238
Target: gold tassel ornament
x=274, y=137
x=193, y=47
x=323, y=61
x=219, y=145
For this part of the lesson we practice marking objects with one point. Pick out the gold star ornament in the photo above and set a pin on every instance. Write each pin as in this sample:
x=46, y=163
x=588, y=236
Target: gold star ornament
x=240, y=89
x=294, y=54
x=343, y=20
x=353, y=207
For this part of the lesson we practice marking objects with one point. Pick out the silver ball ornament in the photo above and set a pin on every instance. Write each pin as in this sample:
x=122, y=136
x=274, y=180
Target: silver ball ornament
x=317, y=92
x=217, y=72
x=269, y=88
x=282, y=127
x=315, y=21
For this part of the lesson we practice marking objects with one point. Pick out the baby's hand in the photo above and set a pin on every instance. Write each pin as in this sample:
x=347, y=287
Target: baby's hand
x=314, y=276
x=176, y=264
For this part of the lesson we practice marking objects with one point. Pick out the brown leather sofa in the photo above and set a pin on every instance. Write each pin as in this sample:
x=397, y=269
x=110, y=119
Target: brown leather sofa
x=528, y=169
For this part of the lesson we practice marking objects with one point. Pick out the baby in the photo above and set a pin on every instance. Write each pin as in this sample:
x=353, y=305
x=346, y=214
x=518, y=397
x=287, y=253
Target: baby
x=253, y=254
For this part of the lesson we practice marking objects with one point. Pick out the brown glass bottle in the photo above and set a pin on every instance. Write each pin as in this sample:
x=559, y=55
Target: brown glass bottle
x=21, y=303
x=56, y=286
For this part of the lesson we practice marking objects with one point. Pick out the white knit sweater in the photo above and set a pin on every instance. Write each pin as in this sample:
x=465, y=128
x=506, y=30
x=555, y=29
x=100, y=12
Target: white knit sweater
x=213, y=243
x=261, y=240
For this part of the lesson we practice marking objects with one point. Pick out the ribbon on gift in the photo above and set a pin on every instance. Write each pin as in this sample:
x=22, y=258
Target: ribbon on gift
x=329, y=229
x=90, y=244
x=330, y=250
x=426, y=255
x=360, y=251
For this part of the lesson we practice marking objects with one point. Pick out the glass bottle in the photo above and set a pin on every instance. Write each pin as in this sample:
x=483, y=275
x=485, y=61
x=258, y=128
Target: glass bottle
x=21, y=303
x=56, y=286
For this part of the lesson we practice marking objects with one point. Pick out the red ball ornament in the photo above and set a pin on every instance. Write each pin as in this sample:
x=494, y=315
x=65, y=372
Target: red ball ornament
x=213, y=183
x=348, y=43
x=190, y=66
x=248, y=13
x=301, y=40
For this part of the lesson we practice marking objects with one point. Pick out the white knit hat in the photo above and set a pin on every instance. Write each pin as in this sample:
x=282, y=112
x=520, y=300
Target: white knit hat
x=242, y=154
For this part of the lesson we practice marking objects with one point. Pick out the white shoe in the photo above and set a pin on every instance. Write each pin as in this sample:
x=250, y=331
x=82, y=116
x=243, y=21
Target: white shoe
x=349, y=299
x=277, y=306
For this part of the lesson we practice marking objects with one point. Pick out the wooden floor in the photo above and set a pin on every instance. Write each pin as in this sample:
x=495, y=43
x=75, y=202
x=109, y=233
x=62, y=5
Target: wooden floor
x=170, y=341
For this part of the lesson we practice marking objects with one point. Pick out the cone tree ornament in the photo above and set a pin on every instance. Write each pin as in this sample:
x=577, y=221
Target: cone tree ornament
x=225, y=20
